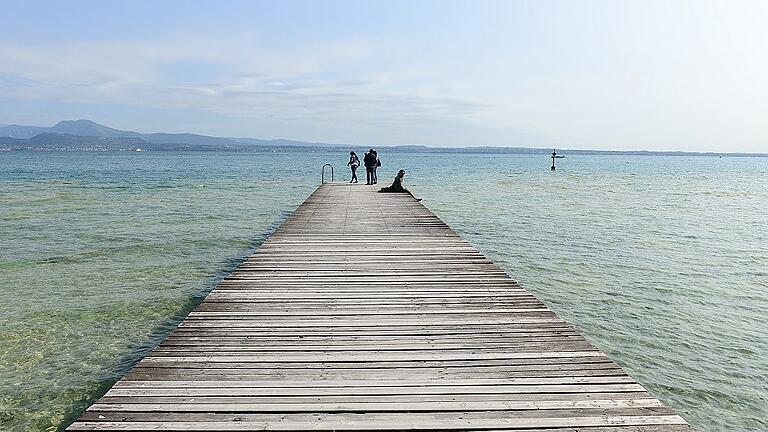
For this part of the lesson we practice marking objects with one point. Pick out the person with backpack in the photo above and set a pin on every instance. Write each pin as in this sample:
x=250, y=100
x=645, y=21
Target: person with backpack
x=369, y=160
x=376, y=164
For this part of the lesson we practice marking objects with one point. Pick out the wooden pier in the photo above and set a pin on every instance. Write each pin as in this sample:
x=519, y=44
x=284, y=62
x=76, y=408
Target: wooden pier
x=365, y=311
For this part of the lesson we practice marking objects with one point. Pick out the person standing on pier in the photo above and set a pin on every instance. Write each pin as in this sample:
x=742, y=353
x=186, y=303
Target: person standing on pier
x=369, y=160
x=353, y=163
x=376, y=165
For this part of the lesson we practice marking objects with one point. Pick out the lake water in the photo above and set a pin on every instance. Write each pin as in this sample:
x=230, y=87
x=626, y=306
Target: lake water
x=662, y=262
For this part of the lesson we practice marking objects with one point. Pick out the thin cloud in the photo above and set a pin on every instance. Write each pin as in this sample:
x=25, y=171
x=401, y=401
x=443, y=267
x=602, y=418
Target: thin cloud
x=252, y=81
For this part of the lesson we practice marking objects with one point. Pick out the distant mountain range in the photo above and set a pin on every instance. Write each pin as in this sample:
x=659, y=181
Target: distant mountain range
x=87, y=135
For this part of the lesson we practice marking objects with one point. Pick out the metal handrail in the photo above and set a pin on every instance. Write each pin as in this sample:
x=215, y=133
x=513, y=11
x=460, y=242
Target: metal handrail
x=322, y=173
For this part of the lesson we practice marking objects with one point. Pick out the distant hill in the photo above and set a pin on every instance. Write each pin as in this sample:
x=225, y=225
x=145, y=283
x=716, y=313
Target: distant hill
x=63, y=142
x=49, y=141
x=67, y=127
x=285, y=143
x=89, y=128
x=22, y=132
x=191, y=139
x=87, y=135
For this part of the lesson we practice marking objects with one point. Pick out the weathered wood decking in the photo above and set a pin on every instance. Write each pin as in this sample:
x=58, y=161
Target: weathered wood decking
x=364, y=311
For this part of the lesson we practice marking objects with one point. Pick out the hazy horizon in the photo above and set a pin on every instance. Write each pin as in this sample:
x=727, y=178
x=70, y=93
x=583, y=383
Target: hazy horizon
x=335, y=146
x=600, y=75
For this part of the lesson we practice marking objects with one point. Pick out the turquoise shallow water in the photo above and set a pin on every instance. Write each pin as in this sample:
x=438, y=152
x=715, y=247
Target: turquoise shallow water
x=660, y=261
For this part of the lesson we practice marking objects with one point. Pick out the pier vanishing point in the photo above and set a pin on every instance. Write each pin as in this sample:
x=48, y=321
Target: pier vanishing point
x=365, y=311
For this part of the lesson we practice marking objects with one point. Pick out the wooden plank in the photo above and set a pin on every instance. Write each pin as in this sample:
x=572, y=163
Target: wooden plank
x=236, y=405
x=370, y=422
x=365, y=311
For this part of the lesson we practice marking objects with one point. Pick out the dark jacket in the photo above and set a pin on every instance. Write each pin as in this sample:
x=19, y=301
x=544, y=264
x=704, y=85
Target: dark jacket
x=369, y=160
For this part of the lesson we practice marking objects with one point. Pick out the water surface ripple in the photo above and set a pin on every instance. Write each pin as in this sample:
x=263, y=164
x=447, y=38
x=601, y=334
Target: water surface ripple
x=662, y=262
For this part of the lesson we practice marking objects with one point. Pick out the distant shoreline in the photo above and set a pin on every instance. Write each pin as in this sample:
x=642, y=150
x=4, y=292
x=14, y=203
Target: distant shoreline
x=181, y=148
x=89, y=136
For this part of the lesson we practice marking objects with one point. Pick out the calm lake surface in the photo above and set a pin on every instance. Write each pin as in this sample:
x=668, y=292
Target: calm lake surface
x=662, y=262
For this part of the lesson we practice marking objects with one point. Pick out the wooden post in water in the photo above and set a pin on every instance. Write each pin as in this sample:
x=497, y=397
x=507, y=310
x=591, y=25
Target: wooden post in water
x=324, y=329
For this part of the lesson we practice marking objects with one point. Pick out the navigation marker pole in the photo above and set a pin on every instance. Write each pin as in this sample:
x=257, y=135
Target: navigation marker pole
x=554, y=155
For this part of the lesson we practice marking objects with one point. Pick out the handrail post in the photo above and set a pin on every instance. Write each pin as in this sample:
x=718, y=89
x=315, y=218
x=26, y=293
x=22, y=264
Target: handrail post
x=322, y=173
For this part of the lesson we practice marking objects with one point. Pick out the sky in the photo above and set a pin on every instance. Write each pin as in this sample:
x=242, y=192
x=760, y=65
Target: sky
x=629, y=75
